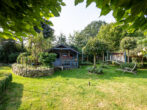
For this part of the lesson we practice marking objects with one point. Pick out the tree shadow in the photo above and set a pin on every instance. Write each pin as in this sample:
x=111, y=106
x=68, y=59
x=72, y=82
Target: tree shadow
x=11, y=98
x=109, y=73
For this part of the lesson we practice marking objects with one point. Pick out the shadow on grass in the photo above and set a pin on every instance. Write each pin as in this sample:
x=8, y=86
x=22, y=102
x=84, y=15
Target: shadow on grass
x=109, y=73
x=11, y=99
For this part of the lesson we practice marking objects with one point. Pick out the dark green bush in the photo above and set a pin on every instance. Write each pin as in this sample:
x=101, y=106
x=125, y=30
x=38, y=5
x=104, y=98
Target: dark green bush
x=5, y=79
x=46, y=58
x=13, y=57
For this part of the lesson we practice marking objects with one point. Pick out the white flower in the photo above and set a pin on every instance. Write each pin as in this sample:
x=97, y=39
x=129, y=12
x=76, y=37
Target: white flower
x=140, y=53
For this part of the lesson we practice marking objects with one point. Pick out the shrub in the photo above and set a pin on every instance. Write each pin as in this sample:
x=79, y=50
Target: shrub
x=47, y=58
x=12, y=57
x=96, y=70
x=5, y=79
x=22, y=58
x=86, y=63
x=123, y=65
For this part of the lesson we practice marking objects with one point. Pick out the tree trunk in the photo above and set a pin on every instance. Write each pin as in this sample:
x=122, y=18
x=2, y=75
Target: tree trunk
x=103, y=56
x=142, y=61
x=128, y=57
x=87, y=58
x=94, y=60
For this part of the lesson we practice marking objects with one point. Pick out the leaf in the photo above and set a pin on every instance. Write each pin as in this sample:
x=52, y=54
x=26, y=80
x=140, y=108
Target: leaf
x=105, y=10
x=78, y=1
x=89, y=2
x=99, y=3
x=120, y=14
x=63, y=4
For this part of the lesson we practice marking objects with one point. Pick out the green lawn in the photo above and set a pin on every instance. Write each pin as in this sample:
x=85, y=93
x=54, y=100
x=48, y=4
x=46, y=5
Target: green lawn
x=69, y=90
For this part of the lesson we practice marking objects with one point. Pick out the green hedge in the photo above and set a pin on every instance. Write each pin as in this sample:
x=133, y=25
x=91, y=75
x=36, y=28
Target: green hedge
x=5, y=79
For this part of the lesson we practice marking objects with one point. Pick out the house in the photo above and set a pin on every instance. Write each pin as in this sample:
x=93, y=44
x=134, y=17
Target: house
x=67, y=57
x=118, y=57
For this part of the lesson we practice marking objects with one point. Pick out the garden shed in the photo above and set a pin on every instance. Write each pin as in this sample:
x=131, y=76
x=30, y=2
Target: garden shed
x=67, y=57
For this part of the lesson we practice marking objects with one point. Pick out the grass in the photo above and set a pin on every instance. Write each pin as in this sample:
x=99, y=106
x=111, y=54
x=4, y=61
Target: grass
x=70, y=90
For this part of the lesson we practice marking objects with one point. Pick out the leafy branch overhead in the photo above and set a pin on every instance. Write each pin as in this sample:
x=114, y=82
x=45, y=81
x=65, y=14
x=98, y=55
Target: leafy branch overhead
x=18, y=17
x=132, y=14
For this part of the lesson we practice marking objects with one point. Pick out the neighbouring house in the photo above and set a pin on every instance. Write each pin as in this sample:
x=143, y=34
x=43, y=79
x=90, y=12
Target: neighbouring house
x=67, y=57
x=118, y=56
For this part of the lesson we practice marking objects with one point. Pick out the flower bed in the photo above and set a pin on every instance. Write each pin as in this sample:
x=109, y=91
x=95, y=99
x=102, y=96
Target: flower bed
x=30, y=71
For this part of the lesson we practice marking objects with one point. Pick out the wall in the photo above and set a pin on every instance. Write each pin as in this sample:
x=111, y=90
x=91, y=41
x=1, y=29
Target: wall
x=24, y=71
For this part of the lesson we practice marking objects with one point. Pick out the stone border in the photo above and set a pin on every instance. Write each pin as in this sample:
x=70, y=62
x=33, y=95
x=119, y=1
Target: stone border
x=24, y=71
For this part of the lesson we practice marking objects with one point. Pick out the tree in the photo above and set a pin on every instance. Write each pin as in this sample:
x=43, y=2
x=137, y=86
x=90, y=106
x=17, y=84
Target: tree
x=131, y=14
x=9, y=50
x=37, y=44
x=113, y=35
x=18, y=17
x=61, y=39
x=128, y=43
x=94, y=47
x=80, y=39
x=47, y=30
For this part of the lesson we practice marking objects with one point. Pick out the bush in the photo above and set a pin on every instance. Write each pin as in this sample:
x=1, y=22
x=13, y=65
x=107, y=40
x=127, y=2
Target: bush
x=96, y=70
x=47, y=58
x=5, y=79
x=86, y=63
x=130, y=65
x=13, y=57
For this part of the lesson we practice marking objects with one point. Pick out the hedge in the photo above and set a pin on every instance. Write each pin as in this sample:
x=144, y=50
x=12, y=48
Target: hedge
x=5, y=80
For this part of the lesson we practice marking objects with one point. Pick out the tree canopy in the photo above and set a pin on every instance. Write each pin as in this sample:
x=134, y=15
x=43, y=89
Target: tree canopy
x=113, y=35
x=79, y=39
x=94, y=47
x=128, y=43
x=132, y=14
x=61, y=39
x=18, y=17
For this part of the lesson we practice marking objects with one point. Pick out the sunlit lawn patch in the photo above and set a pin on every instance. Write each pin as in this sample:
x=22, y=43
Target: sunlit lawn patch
x=70, y=90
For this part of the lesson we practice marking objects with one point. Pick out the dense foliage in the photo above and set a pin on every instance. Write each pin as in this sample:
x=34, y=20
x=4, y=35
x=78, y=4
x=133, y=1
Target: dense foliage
x=79, y=39
x=37, y=44
x=18, y=17
x=5, y=80
x=9, y=50
x=113, y=35
x=47, y=58
x=131, y=14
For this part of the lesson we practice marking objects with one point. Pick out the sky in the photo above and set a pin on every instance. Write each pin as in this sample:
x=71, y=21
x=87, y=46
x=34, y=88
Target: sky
x=75, y=18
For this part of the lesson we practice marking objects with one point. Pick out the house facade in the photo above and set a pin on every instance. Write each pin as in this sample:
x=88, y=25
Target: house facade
x=67, y=57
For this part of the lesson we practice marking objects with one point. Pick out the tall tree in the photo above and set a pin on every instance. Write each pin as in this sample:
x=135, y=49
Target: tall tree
x=132, y=14
x=112, y=35
x=18, y=17
x=61, y=39
x=94, y=47
x=90, y=31
x=128, y=43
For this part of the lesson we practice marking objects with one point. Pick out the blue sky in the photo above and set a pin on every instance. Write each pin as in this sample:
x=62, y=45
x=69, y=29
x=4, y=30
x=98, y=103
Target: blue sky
x=75, y=18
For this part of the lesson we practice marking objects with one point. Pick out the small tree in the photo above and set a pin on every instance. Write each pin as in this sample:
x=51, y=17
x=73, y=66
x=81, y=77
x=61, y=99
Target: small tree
x=94, y=46
x=128, y=43
x=37, y=44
